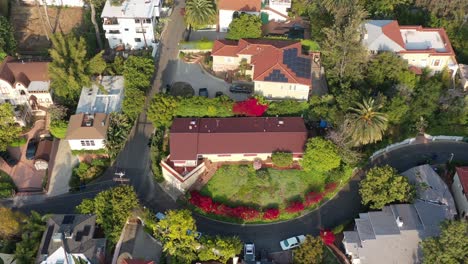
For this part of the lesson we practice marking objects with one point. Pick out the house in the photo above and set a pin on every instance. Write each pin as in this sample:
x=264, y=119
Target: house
x=135, y=246
x=420, y=47
x=460, y=190
x=464, y=76
x=276, y=10
x=72, y=239
x=130, y=24
x=25, y=85
x=279, y=70
x=292, y=29
x=87, y=129
x=393, y=235
x=195, y=140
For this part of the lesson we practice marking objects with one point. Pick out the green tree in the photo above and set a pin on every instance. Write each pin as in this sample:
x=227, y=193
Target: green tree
x=364, y=124
x=282, y=159
x=133, y=102
x=9, y=130
x=320, y=155
x=26, y=249
x=199, y=106
x=200, y=13
x=451, y=246
x=138, y=72
x=117, y=133
x=173, y=233
x=219, y=248
x=396, y=110
x=245, y=26
x=11, y=223
x=383, y=8
x=426, y=99
x=112, y=208
x=382, y=186
x=309, y=252
x=287, y=107
x=7, y=39
x=71, y=69
x=161, y=110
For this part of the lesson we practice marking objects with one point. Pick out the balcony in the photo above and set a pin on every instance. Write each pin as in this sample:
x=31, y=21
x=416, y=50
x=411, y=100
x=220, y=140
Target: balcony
x=111, y=21
x=113, y=31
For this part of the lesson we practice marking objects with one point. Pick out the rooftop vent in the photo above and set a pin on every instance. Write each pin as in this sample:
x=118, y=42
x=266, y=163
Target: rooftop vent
x=399, y=221
x=281, y=122
x=57, y=237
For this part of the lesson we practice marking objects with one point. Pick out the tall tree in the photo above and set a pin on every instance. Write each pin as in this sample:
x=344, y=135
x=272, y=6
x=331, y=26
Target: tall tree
x=320, y=155
x=245, y=26
x=200, y=13
x=9, y=130
x=364, y=124
x=26, y=249
x=11, y=223
x=117, y=133
x=383, y=8
x=383, y=185
x=219, y=248
x=133, y=102
x=7, y=39
x=174, y=236
x=450, y=247
x=309, y=252
x=138, y=72
x=92, y=5
x=162, y=110
x=70, y=68
x=112, y=208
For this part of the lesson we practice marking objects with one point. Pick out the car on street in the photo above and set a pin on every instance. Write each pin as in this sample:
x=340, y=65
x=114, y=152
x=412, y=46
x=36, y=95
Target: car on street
x=249, y=252
x=218, y=94
x=31, y=149
x=292, y=242
x=8, y=158
x=240, y=88
x=203, y=92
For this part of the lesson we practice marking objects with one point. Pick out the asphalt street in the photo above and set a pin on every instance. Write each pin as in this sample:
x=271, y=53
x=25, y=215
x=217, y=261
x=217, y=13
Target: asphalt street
x=134, y=159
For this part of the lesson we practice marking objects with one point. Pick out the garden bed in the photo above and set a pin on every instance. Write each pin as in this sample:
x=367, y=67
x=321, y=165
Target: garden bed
x=238, y=193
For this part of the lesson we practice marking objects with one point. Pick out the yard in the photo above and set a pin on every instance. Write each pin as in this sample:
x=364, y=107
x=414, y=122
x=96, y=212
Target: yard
x=233, y=184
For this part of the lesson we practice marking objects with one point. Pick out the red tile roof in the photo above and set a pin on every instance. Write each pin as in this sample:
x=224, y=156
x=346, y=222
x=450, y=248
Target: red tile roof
x=240, y=5
x=392, y=31
x=267, y=55
x=463, y=176
x=238, y=135
x=23, y=72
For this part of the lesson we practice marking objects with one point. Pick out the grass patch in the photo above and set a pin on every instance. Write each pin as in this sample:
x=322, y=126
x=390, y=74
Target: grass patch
x=87, y=172
x=310, y=45
x=19, y=142
x=7, y=185
x=202, y=44
x=58, y=129
x=235, y=185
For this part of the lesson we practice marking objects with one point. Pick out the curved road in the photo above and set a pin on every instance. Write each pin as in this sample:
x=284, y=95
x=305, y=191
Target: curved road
x=135, y=159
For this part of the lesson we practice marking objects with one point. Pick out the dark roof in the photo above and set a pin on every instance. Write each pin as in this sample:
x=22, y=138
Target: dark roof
x=192, y=136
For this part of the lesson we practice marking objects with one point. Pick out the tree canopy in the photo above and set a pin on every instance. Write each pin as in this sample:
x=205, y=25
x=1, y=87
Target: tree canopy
x=11, y=223
x=138, y=72
x=245, y=26
x=450, y=247
x=9, y=130
x=112, y=208
x=161, y=110
x=219, y=248
x=7, y=39
x=309, y=252
x=383, y=185
x=200, y=13
x=320, y=155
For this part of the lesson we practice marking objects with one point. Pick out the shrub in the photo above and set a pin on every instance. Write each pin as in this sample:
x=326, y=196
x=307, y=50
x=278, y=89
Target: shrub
x=271, y=214
x=263, y=173
x=20, y=141
x=330, y=187
x=312, y=198
x=282, y=159
x=327, y=237
x=294, y=207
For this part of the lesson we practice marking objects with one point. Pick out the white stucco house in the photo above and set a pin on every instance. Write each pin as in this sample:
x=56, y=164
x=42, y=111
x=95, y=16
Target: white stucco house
x=87, y=129
x=279, y=70
x=460, y=191
x=276, y=10
x=130, y=24
x=25, y=85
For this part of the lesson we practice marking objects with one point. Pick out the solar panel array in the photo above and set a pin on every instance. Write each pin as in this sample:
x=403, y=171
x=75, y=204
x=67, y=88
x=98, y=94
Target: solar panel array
x=68, y=219
x=45, y=246
x=276, y=76
x=300, y=66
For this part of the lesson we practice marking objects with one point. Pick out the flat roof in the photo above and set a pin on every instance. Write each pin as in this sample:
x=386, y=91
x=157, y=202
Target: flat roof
x=422, y=40
x=130, y=9
x=103, y=97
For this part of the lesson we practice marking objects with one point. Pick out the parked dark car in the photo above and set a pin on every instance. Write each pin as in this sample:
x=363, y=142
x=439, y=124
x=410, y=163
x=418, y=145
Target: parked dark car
x=31, y=150
x=240, y=88
x=8, y=158
x=218, y=94
x=203, y=92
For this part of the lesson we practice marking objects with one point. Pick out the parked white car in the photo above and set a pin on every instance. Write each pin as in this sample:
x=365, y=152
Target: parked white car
x=292, y=242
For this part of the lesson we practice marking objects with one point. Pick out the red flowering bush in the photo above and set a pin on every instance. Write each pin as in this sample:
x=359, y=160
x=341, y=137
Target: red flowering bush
x=294, y=207
x=203, y=202
x=249, y=107
x=271, y=214
x=327, y=237
x=312, y=198
x=330, y=187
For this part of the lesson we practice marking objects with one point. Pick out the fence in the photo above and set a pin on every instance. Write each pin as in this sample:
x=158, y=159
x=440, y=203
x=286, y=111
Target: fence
x=409, y=141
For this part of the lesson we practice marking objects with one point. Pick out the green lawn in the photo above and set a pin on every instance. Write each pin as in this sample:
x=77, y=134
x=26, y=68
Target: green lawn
x=202, y=44
x=242, y=185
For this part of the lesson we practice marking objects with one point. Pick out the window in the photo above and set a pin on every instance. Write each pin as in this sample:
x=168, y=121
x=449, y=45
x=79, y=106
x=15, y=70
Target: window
x=22, y=92
x=4, y=90
x=126, y=29
x=114, y=31
x=250, y=155
x=87, y=143
x=140, y=30
x=137, y=20
x=147, y=21
x=224, y=155
x=437, y=63
x=137, y=39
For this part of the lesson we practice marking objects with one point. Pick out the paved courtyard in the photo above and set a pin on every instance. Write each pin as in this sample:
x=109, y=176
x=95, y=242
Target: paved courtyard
x=199, y=78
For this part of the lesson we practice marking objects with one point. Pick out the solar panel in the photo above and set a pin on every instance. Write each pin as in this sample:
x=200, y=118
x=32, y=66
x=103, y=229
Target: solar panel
x=45, y=246
x=68, y=219
x=299, y=65
x=276, y=76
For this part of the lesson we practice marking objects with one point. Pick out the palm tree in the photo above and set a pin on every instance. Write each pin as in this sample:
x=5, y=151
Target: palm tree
x=200, y=13
x=119, y=127
x=364, y=124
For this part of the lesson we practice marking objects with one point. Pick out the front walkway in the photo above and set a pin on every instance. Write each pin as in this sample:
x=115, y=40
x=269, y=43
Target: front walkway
x=63, y=165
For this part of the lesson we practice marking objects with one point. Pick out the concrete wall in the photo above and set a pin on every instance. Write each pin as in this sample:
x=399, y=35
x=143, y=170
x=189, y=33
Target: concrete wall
x=276, y=90
x=225, y=18
x=224, y=63
x=76, y=144
x=182, y=183
x=459, y=197
x=127, y=33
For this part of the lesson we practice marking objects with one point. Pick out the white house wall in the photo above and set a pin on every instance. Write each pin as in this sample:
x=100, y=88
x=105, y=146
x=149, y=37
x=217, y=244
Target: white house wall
x=277, y=90
x=76, y=144
x=459, y=196
x=127, y=33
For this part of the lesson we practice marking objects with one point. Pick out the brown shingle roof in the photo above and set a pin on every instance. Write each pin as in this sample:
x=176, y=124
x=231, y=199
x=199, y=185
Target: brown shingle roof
x=239, y=135
x=23, y=72
x=78, y=130
x=240, y=5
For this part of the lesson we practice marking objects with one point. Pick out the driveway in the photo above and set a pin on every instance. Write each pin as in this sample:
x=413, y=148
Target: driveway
x=194, y=74
x=61, y=169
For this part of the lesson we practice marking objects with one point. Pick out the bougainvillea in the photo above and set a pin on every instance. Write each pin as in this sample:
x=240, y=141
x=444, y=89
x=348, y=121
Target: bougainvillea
x=203, y=202
x=294, y=207
x=249, y=107
x=330, y=187
x=312, y=198
x=271, y=214
x=327, y=237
